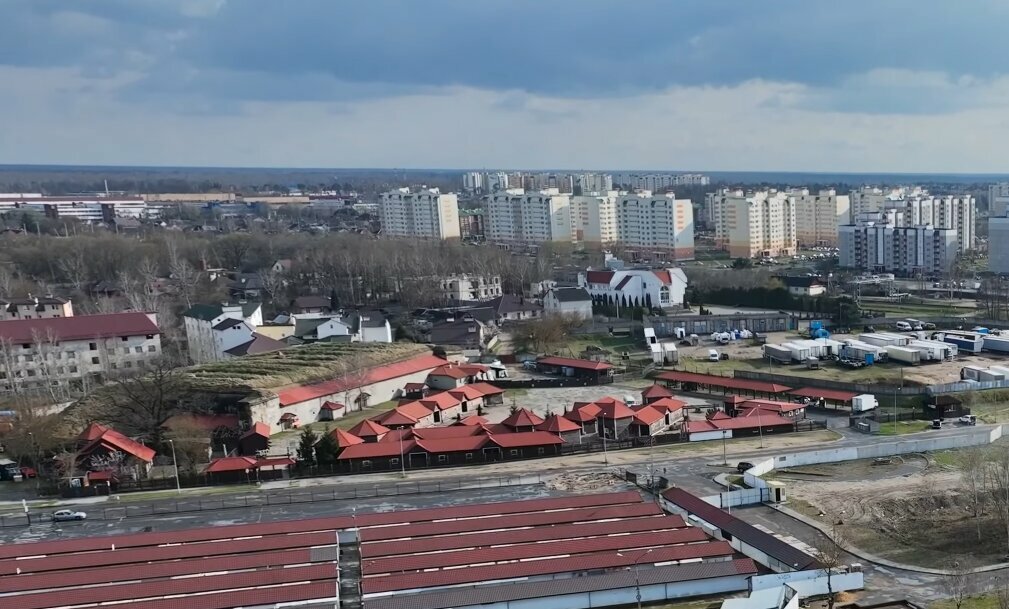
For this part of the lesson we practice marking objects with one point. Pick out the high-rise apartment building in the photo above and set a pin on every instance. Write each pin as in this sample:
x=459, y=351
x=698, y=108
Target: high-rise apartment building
x=906, y=250
x=421, y=213
x=590, y=183
x=817, y=216
x=870, y=199
x=656, y=223
x=998, y=199
x=750, y=224
x=953, y=212
x=998, y=244
x=517, y=216
x=594, y=218
x=473, y=181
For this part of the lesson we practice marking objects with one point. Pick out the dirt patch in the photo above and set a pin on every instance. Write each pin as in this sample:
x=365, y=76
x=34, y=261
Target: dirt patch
x=917, y=517
x=583, y=483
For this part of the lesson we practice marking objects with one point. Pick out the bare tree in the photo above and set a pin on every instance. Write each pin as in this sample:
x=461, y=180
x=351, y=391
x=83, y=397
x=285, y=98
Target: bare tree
x=273, y=283
x=74, y=266
x=829, y=552
x=956, y=584
x=192, y=443
x=972, y=474
x=142, y=404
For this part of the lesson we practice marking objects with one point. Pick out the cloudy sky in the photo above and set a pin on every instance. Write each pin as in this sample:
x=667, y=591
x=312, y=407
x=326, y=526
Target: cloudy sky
x=803, y=85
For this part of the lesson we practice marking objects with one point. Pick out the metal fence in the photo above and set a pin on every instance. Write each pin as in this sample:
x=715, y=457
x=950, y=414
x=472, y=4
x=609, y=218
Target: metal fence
x=874, y=388
x=184, y=504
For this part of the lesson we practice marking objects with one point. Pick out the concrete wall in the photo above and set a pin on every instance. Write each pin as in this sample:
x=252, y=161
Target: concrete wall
x=812, y=582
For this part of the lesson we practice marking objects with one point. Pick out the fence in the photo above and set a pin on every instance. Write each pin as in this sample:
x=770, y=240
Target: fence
x=279, y=498
x=875, y=388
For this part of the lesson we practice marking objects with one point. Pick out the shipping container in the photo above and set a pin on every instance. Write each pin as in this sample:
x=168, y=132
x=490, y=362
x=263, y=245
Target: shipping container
x=885, y=339
x=998, y=344
x=934, y=350
x=864, y=402
x=907, y=355
x=966, y=342
x=778, y=353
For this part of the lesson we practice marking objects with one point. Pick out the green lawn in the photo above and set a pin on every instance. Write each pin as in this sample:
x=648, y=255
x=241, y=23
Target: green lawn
x=947, y=458
x=985, y=601
x=828, y=370
x=903, y=427
x=615, y=344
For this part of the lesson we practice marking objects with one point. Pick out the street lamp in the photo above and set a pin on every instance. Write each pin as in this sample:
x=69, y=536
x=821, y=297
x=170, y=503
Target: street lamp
x=637, y=580
x=606, y=432
x=36, y=459
x=402, y=457
x=725, y=459
x=175, y=464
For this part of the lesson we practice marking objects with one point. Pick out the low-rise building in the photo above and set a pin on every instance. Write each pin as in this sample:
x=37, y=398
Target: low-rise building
x=35, y=307
x=636, y=287
x=568, y=301
x=75, y=352
x=208, y=329
x=804, y=286
x=465, y=287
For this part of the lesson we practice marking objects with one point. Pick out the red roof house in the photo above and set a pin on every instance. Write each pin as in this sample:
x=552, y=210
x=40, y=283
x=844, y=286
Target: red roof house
x=369, y=431
x=105, y=449
x=612, y=408
x=558, y=425
x=654, y=392
x=472, y=420
x=523, y=420
x=255, y=440
x=345, y=438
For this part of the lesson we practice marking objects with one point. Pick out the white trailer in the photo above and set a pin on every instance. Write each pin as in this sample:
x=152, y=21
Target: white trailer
x=778, y=353
x=908, y=355
x=933, y=350
x=999, y=344
x=863, y=403
x=800, y=353
x=977, y=373
x=885, y=339
x=857, y=350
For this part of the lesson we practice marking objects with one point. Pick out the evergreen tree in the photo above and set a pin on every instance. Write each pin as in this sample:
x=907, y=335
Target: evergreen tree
x=306, y=446
x=326, y=450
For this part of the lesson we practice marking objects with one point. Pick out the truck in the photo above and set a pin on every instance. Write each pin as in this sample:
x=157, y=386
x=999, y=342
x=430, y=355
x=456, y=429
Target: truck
x=908, y=355
x=999, y=344
x=966, y=342
x=863, y=403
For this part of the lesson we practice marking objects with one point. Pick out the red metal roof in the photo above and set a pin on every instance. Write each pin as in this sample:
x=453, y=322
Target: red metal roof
x=183, y=586
x=328, y=405
x=395, y=417
x=307, y=591
x=453, y=372
x=92, y=432
x=258, y=429
x=275, y=462
x=455, y=431
x=612, y=408
x=113, y=440
x=302, y=393
x=668, y=405
x=452, y=445
x=523, y=418
x=583, y=413
x=123, y=556
x=769, y=405
x=663, y=277
x=558, y=424
x=368, y=429
x=373, y=450
x=440, y=401
x=599, y=276
x=588, y=562
x=486, y=388
x=767, y=420
x=656, y=391
x=401, y=547
x=526, y=438
x=230, y=464
x=78, y=327
x=345, y=438
x=492, y=523
x=570, y=362
x=526, y=551
x=472, y=420
x=827, y=394
x=410, y=387
x=648, y=416
x=721, y=381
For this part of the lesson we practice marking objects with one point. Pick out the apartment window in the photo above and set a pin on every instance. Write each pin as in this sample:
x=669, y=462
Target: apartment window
x=125, y=338
x=93, y=346
x=71, y=355
x=94, y=360
x=152, y=348
x=139, y=349
x=73, y=369
x=128, y=364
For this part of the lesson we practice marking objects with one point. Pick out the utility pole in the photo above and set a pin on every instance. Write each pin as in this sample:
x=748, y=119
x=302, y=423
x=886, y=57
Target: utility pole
x=175, y=464
x=725, y=459
x=637, y=579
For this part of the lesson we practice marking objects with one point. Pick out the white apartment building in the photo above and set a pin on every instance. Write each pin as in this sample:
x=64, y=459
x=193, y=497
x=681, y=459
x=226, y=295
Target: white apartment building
x=869, y=199
x=751, y=224
x=955, y=212
x=470, y=287
x=35, y=307
x=62, y=355
x=210, y=330
x=594, y=218
x=517, y=216
x=85, y=208
x=657, y=182
x=998, y=199
x=473, y=181
x=817, y=216
x=906, y=250
x=656, y=223
x=594, y=182
x=422, y=213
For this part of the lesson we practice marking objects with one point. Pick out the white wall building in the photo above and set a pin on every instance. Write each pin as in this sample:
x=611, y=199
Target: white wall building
x=817, y=216
x=85, y=208
x=998, y=199
x=517, y=216
x=637, y=287
x=656, y=223
x=473, y=181
x=594, y=218
x=998, y=244
x=423, y=213
x=750, y=224
x=907, y=250
x=208, y=328
x=957, y=213
x=470, y=287
x=594, y=182
x=568, y=301
x=35, y=307
x=868, y=199
x=74, y=353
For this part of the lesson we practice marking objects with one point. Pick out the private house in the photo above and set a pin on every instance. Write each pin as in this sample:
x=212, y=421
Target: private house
x=465, y=333
x=568, y=431
x=574, y=302
x=661, y=288
x=655, y=392
x=672, y=410
x=311, y=304
x=514, y=308
x=248, y=469
x=369, y=431
x=103, y=449
x=804, y=286
x=254, y=441
x=614, y=418
x=246, y=286
x=522, y=420
x=35, y=307
x=71, y=353
x=584, y=414
x=256, y=344
x=362, y=327
x=593, y=373
x=453, y=376
x=209, y=333
x=282, y=266
x=646, y=422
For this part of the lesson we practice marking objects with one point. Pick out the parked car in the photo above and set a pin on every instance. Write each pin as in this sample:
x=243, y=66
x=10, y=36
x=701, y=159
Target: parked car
x=928, y=325
x=529, y=365
x=967, y=419
x=742, y=466
x=936, y=423
x=67, y=515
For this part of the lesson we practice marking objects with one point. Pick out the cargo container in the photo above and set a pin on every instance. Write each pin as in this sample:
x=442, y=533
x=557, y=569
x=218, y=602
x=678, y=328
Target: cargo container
x=778, y=353
x=966, y=342
x=1000, y=370
x=998, y=344
x=863, y=352
x=885, y=339
x=863, y=403
x=934, y=350
x=977, y=373
x=908, y=355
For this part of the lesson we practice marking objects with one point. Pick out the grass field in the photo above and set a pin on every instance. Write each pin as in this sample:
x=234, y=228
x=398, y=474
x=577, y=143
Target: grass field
x=615, y=344
x=984, y=601
x=870, y=374
x=903, y=427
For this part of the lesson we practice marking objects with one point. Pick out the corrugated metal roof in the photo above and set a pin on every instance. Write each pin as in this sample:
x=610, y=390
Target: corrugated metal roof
x=585, y=562
x=248, y=598
x=522, y=417
x=827, y=394
x=40, y=564
x=302, y=393
x=78, y=327
x=745, y=532
x=721, y=381
x=525, y=551
x=489, y=594
x=488, y=523
x=486, y=540
x=525, y=439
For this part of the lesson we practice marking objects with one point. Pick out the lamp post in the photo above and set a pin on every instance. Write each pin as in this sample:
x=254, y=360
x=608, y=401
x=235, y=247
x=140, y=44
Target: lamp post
x=402, y=457
x=637, y=580
x=175, y=464
x=605, y=433
x=725, y=459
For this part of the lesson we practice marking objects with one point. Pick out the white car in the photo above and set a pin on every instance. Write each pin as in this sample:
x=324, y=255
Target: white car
x=968, y=419
x=67, y=515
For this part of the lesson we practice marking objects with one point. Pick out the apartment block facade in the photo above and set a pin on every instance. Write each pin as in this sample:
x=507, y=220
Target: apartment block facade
x=998, y=244
x=423, y=214
x=594, y=218
x=657, y=223
x=905, y=250
x=64, y=355
x=818, y=215
x=998, y=199
x=35, y=307
x=753, y=224
x=518, y=216
x=957, y=213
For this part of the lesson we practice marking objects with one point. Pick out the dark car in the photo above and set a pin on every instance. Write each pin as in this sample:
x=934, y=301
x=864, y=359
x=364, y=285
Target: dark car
x=742, y=466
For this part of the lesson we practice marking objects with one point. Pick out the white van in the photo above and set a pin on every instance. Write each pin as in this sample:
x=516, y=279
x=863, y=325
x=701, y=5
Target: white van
x=903, y=326
x=712, y=355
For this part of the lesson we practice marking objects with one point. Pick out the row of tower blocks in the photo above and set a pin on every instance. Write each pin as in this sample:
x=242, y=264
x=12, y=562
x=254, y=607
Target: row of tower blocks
x=747, y=224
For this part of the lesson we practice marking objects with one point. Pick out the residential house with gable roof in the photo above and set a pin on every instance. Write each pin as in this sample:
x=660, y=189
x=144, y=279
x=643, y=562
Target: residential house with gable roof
x=211, y=329
x=661, y=288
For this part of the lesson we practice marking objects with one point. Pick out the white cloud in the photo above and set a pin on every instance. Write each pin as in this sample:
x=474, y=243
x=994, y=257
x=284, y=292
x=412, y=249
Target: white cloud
x=62, y=116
